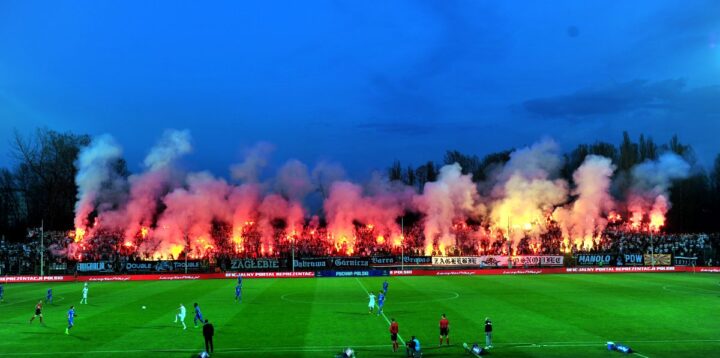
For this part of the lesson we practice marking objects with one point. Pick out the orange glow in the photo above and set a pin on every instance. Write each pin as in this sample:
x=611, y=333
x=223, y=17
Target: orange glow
x=79, y=234
x=144, y=232
x=380, y=239
x=636, y=219
x=397, y=242
x=657, y=220
x=614, y=217
x=128, y=244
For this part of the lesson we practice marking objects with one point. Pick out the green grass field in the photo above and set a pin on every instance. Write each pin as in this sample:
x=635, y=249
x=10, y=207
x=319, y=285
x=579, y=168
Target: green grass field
x=658, y=315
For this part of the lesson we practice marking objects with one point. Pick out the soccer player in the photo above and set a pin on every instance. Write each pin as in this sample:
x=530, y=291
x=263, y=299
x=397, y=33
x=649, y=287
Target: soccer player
x=240, y=280
x=413, y=347
x=488, y=333
x=2, y=292
x=84, y=293
x=371, y=304
x=238, y=293
x=444, y=330
x=381, y=302
x=385, y=287
x=394, y=330
x=38, y=313
x=71, y=319
x=198, y=315
x=48, y=299
x=181, y=316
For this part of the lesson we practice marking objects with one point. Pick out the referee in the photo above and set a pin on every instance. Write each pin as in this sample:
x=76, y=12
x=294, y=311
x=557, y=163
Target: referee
x=208, y=333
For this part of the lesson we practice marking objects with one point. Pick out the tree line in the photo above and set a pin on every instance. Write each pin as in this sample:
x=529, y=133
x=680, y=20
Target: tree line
x=695, y=200
x=40, y=186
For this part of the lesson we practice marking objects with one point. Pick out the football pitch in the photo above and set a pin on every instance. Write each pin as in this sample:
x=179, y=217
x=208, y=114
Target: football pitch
x=658, y=315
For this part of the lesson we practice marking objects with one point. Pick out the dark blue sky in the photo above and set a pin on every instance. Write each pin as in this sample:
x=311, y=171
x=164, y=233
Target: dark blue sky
x=361, y=82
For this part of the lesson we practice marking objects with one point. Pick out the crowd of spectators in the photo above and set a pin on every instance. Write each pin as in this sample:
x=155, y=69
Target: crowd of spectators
x=469, y=240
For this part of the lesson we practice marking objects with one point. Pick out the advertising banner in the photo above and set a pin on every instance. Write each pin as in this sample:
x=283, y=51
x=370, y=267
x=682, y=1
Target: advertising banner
x=356, y=273
x=497, y=261
x=164, y=266
x=384, y=260
x=304, y=274
x=599, y=259
x=100, y=266
x=632, y=259
x=19, y=279
x=622, y=269
x=417, y=260
x=684, y=261
x=544, y=260
x=659, y=259
x=350, y=262
x=457, y=261
x=312, y=263
x=256, y=264
x=58, y=266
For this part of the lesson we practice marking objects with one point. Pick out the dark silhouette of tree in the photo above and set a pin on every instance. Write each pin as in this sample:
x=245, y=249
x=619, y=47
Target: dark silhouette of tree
x=45, y=176
x=395, y=172
x=470, y=164
x=628, y=153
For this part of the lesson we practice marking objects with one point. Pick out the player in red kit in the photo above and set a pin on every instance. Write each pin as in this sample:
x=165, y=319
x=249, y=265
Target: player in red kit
x=444, y=329
x=394, y=329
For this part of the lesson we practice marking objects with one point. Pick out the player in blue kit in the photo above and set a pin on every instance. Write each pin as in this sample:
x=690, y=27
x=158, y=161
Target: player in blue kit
x=198, y=315
x=48, y=299
x=385, y=287
x=238, y=293
x=2, y=293
x=71, y=319
x=381, y=302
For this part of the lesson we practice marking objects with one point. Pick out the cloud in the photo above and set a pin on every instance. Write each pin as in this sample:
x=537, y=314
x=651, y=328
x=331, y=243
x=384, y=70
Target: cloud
x=622, y=97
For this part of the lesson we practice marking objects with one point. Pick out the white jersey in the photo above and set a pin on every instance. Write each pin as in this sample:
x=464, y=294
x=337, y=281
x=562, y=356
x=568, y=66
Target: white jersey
x=372, y=301
x=85, y=291
x=182, y=312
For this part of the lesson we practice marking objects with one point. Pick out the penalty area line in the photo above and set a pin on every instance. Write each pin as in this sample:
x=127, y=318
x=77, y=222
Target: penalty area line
x=383, y=313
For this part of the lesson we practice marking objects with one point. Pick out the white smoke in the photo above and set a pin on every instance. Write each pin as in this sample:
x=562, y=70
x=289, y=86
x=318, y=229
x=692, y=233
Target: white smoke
x=586, y=217
x=94, y=165
x=173, y=144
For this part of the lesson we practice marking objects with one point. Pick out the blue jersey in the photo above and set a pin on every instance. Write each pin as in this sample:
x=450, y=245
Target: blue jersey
x=71, y=315
x=238, y=290
x=385, y=286
x=1, y=289
x=49, y=292
x=381, y=299
x=197, y=311
x=240, y=280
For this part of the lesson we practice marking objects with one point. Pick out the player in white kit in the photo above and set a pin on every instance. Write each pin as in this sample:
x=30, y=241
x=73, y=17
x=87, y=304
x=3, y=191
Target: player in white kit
x=181, y=316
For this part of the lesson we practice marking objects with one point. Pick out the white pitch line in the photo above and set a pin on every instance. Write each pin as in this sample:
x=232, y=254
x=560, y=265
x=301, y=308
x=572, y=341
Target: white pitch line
x=640, y=355
x=551, y=344
x=226, y=350
x=331, y=348
x=383, y=313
